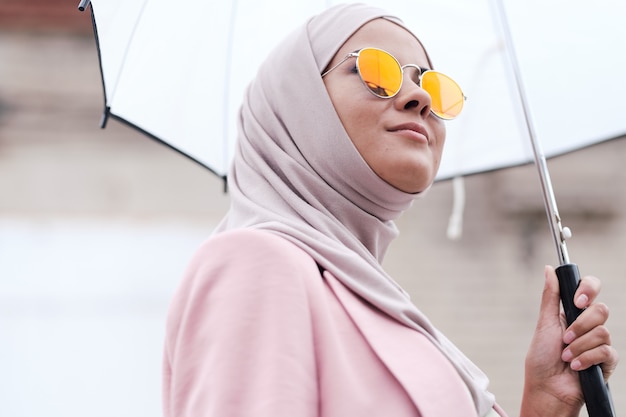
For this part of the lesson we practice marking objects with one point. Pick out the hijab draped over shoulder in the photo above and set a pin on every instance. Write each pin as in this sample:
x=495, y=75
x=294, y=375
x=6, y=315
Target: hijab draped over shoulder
x=297, y=173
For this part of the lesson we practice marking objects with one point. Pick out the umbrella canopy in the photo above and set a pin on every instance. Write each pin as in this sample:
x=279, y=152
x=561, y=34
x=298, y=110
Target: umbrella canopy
x=178, y=71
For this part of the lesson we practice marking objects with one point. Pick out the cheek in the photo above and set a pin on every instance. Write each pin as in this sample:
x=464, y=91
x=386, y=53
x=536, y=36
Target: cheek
x=440, y=135
x=358, y=120
x=354, y=106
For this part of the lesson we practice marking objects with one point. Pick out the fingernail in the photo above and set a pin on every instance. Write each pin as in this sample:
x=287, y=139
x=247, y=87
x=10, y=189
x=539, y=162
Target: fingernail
x=582, y=301
x=569, y=337
x=567, y=355
x=576, y=365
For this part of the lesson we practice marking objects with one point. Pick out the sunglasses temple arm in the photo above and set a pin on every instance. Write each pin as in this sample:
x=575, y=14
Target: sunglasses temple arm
x=595, y=391
x=350, y=55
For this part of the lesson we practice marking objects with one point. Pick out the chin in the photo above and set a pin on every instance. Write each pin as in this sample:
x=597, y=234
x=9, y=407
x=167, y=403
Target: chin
x=419, y=182
x=413, y=187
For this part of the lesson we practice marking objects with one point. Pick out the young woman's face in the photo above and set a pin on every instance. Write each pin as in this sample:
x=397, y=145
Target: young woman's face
x=399, y=138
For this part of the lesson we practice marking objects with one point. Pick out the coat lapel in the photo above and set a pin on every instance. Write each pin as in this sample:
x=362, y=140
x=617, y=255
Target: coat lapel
x=425, y=373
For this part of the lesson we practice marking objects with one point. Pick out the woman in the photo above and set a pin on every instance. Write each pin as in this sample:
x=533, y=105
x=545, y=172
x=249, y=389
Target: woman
x=286, y=310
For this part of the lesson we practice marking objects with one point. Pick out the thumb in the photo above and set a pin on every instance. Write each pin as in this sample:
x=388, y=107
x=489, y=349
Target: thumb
x=550, y=299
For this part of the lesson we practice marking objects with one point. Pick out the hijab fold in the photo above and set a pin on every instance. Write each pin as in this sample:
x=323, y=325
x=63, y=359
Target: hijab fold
x=297, y=173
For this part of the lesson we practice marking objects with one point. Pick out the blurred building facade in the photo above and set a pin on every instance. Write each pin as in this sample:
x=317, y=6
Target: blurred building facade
x=65, y=184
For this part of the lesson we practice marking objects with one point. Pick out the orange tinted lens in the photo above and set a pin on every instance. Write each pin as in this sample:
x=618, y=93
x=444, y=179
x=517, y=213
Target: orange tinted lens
x=380, y=72
x=446, y=95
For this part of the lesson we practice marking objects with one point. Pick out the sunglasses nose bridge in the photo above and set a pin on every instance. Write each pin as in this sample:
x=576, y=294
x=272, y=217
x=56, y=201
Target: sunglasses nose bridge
x=414, y=96
x=415, y=76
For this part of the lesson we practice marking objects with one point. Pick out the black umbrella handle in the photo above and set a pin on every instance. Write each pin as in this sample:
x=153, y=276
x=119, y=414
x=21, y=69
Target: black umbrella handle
x=597, y=396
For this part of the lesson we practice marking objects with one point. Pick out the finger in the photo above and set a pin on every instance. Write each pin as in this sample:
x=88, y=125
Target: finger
x=592, y=317
x=597, y=337
x=550, y=298
x=605, y=356
x=587, y=291
x=608, y=366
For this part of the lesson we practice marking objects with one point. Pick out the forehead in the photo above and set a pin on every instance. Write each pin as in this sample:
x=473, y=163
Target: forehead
x=384, y=34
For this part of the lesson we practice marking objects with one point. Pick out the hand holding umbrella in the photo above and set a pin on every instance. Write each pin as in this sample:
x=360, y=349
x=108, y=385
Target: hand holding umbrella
x=550, y=370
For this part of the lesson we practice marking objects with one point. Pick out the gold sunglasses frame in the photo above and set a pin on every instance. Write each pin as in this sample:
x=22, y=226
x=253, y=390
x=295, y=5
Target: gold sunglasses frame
x=420, y=72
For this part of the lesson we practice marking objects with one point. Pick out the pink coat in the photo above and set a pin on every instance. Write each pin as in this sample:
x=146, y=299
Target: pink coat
x=254, y=330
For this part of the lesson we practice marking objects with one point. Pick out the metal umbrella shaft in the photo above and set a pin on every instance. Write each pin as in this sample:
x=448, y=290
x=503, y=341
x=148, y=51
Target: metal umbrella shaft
x=597, y=395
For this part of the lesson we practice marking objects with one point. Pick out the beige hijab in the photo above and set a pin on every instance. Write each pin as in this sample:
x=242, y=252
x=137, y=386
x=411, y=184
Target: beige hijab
x=297, y=173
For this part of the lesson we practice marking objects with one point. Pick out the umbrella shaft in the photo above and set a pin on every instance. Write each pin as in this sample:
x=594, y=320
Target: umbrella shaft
x=554, y=219
x=595, y=391
x=550, y=203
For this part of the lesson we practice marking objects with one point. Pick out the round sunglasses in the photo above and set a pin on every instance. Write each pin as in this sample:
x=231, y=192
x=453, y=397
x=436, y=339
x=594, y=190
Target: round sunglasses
x=382, y=74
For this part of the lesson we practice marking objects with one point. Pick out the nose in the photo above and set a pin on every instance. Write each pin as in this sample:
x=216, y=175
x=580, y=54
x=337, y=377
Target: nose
x=411, y=96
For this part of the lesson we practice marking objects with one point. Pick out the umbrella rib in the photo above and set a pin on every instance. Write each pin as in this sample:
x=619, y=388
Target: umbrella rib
x=126, y=51
x=228, y=63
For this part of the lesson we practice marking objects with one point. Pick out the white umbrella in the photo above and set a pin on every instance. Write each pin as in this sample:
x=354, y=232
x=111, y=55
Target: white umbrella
x=177, y=71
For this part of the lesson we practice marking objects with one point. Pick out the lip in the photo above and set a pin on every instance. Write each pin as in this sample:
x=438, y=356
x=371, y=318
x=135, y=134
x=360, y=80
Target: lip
x=414, y=130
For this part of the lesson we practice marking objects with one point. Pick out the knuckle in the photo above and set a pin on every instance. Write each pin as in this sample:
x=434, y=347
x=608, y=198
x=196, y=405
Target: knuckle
x=604, y=333
x=603, y=310
x=593, y=281
x=606, y=352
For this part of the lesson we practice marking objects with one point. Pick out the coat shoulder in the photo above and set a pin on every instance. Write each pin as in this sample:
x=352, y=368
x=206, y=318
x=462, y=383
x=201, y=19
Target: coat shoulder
x=245, y=252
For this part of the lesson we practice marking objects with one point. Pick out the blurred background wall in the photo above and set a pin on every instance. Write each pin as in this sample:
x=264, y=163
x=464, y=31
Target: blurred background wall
x=96, y=227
